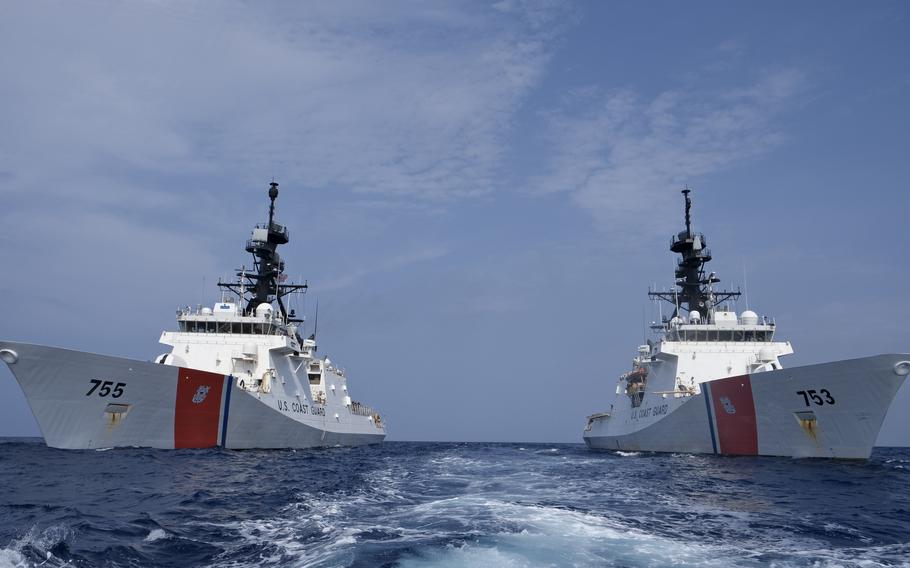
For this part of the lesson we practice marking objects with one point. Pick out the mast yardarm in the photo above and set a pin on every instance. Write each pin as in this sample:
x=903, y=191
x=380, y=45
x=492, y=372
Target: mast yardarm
x=695, y=288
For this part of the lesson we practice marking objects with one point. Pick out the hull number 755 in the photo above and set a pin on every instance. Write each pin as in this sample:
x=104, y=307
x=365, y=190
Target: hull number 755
x=104, y=388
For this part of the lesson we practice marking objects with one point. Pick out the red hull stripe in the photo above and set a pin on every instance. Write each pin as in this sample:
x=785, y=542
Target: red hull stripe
x=197, y=409
x=734, y=414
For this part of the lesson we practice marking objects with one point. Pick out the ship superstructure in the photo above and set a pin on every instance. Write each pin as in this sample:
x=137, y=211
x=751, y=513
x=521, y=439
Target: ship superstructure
x=238, y=375
x=713, y=382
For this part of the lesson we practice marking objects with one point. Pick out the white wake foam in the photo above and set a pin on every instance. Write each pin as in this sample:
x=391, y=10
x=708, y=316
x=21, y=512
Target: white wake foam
x=11, y=556
x=506, y=517
x=156, y=534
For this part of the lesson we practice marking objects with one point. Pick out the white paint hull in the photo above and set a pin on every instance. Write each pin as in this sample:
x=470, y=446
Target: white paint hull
x=164, y=406
x=762, y=414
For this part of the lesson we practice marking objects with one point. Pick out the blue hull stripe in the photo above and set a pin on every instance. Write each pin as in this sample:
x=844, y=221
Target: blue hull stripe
x=706, y=390
x=227, y=405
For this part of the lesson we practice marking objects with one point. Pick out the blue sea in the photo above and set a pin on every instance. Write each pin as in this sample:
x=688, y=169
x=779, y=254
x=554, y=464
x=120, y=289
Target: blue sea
x=448, y=504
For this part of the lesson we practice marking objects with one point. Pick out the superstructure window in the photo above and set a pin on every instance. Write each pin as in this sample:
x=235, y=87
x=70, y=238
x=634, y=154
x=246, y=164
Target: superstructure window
x=737, y=335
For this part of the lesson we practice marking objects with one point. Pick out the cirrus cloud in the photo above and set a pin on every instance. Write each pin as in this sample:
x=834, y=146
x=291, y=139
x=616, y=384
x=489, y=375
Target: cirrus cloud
x=615, y=151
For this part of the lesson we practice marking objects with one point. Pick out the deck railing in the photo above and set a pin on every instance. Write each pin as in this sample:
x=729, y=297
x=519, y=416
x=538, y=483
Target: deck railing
x=362, y=409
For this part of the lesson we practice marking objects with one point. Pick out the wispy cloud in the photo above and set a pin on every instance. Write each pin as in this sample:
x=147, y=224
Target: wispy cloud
x=360, y=96
x=422, y=254
x=109, y=111
x=615, y=151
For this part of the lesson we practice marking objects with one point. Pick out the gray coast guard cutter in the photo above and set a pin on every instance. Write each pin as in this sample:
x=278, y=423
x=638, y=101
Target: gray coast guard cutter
x=238, y=375
x=713, y=382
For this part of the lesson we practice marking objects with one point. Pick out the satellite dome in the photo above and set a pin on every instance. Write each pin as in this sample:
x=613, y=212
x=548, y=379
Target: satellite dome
x=694, y=316
x=264, y=310
x=749, y=317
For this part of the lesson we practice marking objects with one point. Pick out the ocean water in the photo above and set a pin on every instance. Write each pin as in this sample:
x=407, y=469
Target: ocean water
x=434, y=504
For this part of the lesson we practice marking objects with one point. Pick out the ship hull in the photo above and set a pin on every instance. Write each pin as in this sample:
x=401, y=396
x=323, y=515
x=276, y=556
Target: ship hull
x=83, y=400
x=829, y=410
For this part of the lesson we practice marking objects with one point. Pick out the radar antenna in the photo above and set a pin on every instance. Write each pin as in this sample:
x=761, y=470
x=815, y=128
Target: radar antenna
x=267, y=281
x=686, y=193
x=696, y=290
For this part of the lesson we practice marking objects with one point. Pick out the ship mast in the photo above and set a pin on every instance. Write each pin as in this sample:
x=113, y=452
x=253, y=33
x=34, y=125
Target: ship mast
x=266, y=283
x=695, y=289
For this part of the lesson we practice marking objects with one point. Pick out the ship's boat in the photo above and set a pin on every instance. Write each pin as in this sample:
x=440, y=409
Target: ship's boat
x=713, y=381
x=238, y=375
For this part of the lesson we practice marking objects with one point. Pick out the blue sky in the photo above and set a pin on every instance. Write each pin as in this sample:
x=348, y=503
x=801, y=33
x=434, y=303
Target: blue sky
x=479, y=194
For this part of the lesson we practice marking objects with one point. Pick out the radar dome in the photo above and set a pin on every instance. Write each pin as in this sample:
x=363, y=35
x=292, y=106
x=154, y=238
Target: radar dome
x=206, y=311
x=694, y=316
x=675, y=322
x=749, y=317
x=264, y=310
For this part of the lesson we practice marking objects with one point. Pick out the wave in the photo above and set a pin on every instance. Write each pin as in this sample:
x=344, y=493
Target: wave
x=483, y=531
x=35, y=548
x=156, y=534
x=422, y=505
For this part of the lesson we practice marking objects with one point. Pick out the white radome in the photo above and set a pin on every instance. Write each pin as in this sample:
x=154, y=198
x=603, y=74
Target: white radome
x=749, y=317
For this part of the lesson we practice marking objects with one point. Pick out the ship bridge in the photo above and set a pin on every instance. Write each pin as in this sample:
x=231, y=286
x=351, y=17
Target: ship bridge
x=722, y=326
x=226, y=317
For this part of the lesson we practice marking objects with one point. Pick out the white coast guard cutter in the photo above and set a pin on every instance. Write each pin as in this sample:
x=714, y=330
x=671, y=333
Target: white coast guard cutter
x=713, y=383
x=238, y=375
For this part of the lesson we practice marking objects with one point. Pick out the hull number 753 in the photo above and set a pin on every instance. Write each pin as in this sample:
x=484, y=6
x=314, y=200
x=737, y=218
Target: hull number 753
x=816, y=397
